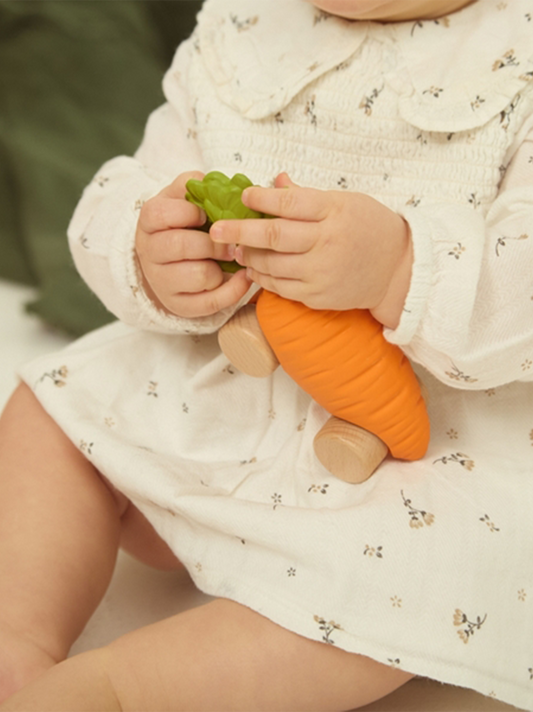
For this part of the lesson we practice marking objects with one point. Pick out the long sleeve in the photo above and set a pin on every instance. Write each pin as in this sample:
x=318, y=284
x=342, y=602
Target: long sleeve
x=468, y=317
x=102, y=230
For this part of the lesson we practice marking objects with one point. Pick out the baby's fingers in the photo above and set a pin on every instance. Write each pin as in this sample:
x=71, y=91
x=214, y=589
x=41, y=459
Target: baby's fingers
x=207, y=303
x=288, y=200
x=190, y=277
x=165, y=213
x=177, y=245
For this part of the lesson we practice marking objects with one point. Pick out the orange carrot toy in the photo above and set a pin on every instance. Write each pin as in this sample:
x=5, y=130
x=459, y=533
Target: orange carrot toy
x=342, y=360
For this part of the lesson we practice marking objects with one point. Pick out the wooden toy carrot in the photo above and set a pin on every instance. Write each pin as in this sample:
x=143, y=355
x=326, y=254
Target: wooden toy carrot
x=343, y=361
x=340, y=358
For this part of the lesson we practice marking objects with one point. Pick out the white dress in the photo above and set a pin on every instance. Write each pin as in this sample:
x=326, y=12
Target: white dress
x=427, y=566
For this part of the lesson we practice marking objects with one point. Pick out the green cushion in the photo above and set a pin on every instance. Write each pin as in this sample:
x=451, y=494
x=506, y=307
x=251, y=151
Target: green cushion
x=77, y=82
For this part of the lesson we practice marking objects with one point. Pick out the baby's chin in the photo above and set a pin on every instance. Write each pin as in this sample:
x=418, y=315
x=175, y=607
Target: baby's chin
x=390, y=10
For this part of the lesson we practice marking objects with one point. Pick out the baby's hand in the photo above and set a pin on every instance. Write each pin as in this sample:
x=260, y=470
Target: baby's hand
x=327, y=249
x=178, y=261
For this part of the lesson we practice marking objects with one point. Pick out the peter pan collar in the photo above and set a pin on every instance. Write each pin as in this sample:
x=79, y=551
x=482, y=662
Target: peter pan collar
x=261, y=53
x=460, y=71
x=451, y=74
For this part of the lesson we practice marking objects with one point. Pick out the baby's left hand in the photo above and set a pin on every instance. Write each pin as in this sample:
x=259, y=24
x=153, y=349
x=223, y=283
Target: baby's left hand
x=326, y=249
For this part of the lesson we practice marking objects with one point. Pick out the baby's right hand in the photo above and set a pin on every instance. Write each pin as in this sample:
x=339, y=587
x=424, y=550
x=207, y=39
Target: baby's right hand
x=177, y=261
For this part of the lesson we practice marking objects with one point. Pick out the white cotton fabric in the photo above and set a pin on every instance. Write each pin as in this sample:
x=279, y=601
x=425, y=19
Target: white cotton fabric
x=427, y=566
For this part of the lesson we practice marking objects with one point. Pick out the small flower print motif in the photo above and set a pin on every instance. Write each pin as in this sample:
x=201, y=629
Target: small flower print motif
x=110, y=422
x=506, y=114
x=473, y=200
x=466, y=627
x=198, y=566
x=459, y=458
x=327, y=628
x=101, y=180
x=301, y=425
x=457, y=251
x=508, y=60
x=452, y=434
x=504, y=239
x=152, y=389
x=526, y=365
x=185, y=407
x=433, y=91
x=86, y=447
x=367, y=102
x=320, y=16
x=442, y=21
x=251, y=461
x=487, y=520
x=394, y=662
x=371, y=551
x=530, y=671
x=311, y=112
x=418, y=517
x=321, y=489
x=477, y=102
x=343, y=65
x=522, y=594
x=457, y=375
x=396, y=602
x=490, y=392
x=291, y=572
x=58, y=376
x=242, y=25
x=277, y=499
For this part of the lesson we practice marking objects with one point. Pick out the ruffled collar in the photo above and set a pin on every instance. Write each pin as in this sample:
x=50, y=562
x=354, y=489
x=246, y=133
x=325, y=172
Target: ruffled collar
x=261, y=53
x=450, y=74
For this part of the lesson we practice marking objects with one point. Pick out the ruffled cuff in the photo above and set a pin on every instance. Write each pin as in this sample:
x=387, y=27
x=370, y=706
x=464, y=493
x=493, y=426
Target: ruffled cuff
x=448, y=249
x=102, y=241
x=421, y=277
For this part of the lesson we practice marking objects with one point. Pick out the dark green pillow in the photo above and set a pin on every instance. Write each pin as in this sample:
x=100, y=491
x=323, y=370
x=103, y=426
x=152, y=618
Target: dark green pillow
x=77, y=82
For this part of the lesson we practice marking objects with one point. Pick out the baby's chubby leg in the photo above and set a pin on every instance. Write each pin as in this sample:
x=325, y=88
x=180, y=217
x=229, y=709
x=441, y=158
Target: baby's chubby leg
x=220, y=656
x=59, y=535
x=60, y=528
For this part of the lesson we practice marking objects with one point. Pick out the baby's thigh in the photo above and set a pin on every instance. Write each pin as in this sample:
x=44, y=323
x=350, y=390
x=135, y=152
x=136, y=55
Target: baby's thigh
x=139, y=538
x=224, y=656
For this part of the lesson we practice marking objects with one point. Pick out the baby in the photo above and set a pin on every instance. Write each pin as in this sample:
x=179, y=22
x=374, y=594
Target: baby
x=391, y=141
